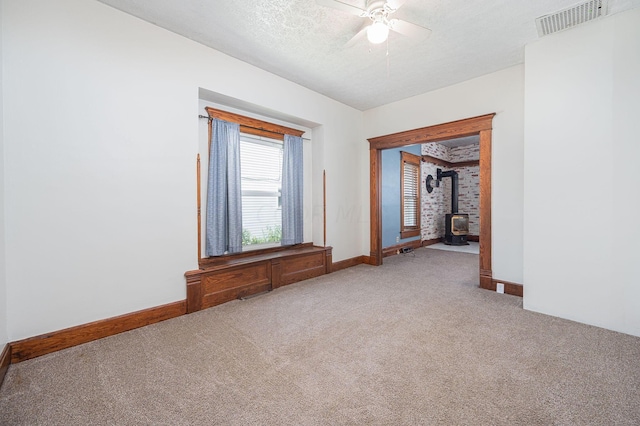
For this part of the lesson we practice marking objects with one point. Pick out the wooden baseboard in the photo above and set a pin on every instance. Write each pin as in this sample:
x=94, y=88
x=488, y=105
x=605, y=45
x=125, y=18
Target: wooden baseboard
x=369, y=260
x=393, y=250
x=62, y=339
x=486, y=277
x=5, y=360
x=513, y=289
x=474, y=238
x=431, y=242
x=347, y=263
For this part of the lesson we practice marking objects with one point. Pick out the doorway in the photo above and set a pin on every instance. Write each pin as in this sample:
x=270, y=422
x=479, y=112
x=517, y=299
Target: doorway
x=480, y=126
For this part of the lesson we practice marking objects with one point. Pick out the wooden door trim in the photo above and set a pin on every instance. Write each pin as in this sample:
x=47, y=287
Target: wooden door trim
x=481, y=126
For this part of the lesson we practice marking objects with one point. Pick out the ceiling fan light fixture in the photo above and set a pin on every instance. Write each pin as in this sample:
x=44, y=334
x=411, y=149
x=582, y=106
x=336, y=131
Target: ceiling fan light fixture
x=377, y=32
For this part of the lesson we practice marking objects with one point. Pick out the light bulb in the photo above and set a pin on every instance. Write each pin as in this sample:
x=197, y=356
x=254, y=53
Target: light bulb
x=377, y=32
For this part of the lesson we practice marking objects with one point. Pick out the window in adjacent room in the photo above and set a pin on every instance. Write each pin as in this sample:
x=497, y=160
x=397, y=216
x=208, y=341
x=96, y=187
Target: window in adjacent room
x=410, y=195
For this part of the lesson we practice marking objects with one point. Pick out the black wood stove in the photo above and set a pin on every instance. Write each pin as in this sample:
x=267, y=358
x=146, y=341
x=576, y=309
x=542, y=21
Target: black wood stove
x=456, y=224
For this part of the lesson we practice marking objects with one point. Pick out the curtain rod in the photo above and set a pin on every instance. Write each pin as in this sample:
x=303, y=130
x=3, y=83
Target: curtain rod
x=244, y=125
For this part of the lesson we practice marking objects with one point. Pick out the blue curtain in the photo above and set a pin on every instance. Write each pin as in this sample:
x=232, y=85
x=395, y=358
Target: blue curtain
x=224, y=195
x=292, y=210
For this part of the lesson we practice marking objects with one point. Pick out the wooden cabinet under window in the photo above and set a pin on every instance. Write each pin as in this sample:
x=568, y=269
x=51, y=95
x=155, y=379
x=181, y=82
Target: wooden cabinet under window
x=226, y=279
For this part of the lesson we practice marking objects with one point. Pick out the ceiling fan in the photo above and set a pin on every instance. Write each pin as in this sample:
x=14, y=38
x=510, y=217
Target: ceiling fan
x=378, y=25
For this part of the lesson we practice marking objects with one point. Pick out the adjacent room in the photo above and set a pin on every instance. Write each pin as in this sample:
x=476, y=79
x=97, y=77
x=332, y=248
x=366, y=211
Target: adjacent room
x=423, y=185
x=319, y=212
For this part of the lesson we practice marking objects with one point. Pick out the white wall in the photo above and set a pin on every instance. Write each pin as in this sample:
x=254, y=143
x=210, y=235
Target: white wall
x=3, y=283
x=501, y=92
x=582, y=149
x=347, y=214
x=101, y=137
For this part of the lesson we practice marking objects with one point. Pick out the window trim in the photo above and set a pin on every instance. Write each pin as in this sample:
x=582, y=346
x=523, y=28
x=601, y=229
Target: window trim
x=253, y=126
x=414, y=160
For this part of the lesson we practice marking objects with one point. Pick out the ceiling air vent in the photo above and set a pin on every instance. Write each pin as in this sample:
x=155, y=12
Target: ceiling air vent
x=572, y=16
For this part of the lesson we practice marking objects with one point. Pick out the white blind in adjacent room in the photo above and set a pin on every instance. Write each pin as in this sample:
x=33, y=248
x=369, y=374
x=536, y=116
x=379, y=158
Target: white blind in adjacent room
x=411, y=194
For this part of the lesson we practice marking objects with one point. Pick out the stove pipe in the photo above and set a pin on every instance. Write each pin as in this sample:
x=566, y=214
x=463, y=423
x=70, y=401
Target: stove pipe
x=454, y=187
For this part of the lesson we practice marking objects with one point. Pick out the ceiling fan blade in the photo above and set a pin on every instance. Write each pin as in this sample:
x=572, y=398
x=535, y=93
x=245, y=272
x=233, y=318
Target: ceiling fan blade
x=359, y=36
x=395, y=4
x=409, y=29
x=344, y=7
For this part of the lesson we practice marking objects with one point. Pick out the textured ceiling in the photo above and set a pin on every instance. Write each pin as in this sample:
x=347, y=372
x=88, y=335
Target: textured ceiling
x=304, y=42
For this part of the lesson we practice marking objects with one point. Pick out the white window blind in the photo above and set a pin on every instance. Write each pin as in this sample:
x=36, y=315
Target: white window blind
x=411, y=195
x=261, y=177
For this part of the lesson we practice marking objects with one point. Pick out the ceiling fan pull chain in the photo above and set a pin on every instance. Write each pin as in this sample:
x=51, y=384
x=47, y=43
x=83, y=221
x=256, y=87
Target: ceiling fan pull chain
x=388, y=60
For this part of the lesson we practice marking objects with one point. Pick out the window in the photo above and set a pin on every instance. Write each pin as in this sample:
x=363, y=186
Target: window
x=410, y=195
x=261, y=181
x=249, y=174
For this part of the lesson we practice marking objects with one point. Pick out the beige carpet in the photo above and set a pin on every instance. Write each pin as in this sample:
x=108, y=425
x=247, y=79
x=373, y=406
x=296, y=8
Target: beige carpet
x=413, y=342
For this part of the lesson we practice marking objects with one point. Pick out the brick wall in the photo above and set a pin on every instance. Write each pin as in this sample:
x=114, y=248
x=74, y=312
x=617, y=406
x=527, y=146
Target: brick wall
x=432, y=208
x=436, y=150
x=464, y=153
x=469, y=196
